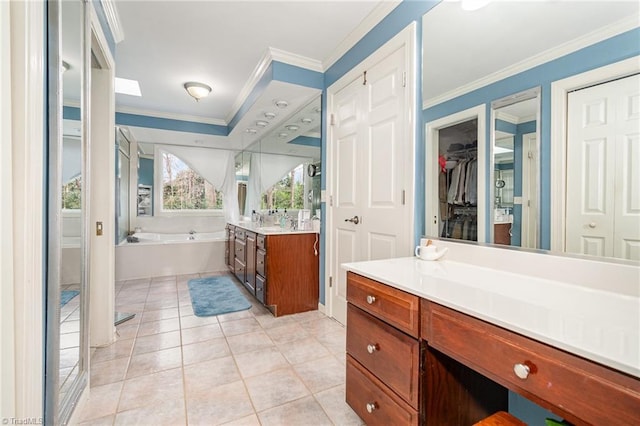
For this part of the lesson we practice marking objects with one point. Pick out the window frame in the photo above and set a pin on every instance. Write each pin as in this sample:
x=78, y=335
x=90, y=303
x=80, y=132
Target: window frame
x=158, y=191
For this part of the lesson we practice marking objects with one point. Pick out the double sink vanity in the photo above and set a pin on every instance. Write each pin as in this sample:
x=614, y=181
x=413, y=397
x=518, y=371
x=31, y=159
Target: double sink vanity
x=442, y=342
x=279, y=267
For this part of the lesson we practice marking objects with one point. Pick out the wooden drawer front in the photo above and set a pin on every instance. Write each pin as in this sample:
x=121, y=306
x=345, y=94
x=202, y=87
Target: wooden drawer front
x=239, y=270
x=575, y=388
x=240, y=234
x=386, y=408
x=240, y=250
x=261, y=266
x=393, y=306
x=261, y=286
x=261, y=242
x=389, y=354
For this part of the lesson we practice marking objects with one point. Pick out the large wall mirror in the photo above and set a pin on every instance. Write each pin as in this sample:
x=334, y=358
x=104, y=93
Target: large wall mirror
x=279, y=170
x=526, y=45
x=515, y=169
x=67, y=337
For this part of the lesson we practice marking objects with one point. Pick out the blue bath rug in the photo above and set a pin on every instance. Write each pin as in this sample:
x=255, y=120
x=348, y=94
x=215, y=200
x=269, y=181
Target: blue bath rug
x=216, y=296
x=67, y=295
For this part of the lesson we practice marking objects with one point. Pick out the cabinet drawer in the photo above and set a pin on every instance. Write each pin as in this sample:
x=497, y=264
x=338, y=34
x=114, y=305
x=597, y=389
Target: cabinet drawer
x=373, y=401
x=393, y=306
x=261, y=258
x=389, y=354
x=239, y=270
x=240, y=250
x=575, y=388
x=261, y=289
x=240, y=234
x=261, y=242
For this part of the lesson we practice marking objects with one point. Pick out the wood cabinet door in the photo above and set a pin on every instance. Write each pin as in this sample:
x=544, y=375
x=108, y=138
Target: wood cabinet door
x=250, y=271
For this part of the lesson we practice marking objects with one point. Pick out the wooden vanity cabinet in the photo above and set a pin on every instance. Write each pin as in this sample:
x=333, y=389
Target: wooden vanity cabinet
x=288, y=264
x=383, y=353
x=230, y=248
x=250, y=264
x=240, y=254
x=502, y=233
x=261, y=268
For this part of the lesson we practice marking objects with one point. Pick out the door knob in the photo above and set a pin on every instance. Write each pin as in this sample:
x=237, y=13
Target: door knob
x=353, y=220
x=371, y=407
x=592, y=225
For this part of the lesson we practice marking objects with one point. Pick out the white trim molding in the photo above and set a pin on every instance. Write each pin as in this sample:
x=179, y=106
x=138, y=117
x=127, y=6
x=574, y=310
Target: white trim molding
x=432, y=128
x=559, y=110
x=171, y=116
x=28, y=136
x=113, y=19
x=571, y=46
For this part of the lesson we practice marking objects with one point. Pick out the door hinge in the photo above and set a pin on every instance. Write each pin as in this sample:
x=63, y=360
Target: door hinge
x=364, y=79
x=404, y=193
x=404, y=79
x=330, y=200
x=332, y=120
x=529, y=154
x=330, y=282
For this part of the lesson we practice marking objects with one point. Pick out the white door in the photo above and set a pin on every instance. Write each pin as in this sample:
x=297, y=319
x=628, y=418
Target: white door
x=530, y=167
x=371, y=163
x=603, y=170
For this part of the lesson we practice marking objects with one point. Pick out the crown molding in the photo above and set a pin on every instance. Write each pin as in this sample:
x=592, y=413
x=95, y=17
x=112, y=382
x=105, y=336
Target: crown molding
x=171, y=116
x=256, y=75
x=371, y=20
x=566, y=48
x=113, y=19
x=296, y=60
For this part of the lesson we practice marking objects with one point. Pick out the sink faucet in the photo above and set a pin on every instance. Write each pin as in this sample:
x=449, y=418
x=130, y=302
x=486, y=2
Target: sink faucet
x=192, y=232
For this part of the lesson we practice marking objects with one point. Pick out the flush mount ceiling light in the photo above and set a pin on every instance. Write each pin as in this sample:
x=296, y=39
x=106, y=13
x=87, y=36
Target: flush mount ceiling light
x=251, y=131
x=197, y=90
x=306, y=120
x=281, y=104
x=283, y=134
x=262, y=123
x=292, y=127
x=269, y=115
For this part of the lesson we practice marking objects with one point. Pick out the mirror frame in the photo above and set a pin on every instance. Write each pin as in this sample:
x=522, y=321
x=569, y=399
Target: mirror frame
x=534, y=93
x=57, y=411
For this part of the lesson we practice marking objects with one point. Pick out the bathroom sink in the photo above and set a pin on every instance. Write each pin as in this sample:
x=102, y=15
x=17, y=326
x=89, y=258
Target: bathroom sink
x=271, y=229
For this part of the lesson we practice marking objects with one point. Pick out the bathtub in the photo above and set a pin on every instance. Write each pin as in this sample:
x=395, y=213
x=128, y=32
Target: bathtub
x=158, y=254
x=70, y=260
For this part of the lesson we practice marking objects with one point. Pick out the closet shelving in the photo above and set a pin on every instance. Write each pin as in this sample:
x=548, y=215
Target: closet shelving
x=458, y=195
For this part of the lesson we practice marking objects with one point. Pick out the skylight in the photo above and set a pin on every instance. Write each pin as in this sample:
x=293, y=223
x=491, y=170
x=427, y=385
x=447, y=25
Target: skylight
x=128, y=87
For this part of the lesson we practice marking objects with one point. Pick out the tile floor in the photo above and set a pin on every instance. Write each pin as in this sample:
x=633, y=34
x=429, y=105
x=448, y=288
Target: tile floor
x=69, y=341
x=169, y=367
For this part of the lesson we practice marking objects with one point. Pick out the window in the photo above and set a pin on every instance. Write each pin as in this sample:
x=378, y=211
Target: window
x=287, y=193
x=72, y=194
x=185, y=190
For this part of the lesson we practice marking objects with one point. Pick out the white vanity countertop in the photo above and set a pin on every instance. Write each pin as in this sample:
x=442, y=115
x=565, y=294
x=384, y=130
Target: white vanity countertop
x=599, y=325
x=270, y=230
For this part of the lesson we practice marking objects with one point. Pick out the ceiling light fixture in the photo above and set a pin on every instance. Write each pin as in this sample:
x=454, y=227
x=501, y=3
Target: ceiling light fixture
x=292, y=127
x=269, y=115
x=283, y=135
x=262, y=123
x=251, y=131
x=282, y=104
x=306, y=120
x=197, y=90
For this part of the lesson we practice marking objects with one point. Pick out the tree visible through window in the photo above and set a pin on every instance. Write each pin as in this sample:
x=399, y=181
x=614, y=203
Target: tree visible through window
x=287, y=193
x=72, y=194
x=184, y=189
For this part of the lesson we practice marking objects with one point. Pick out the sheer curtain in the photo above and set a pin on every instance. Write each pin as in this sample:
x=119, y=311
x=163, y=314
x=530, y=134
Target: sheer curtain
x=265, y=171
x=216, y=166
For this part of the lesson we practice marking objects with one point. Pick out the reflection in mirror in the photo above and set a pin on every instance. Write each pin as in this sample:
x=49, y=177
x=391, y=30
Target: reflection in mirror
x=144, y=198
x=515, y=168
x=123, y=147
x=458, y=181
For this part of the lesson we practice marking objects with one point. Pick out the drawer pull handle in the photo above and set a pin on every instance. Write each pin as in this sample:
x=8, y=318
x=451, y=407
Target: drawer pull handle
x=522, y=370
x=372, y=348
x=371, y=407
x=371, y=300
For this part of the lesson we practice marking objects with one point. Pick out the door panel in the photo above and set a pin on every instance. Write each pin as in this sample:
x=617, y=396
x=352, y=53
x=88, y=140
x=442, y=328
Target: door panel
x=381, y=246
x=603, y=170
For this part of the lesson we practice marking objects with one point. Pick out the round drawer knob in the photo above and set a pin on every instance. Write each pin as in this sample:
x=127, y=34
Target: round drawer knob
x=592, y=225
x=371, y=300
x=521, y=370
x=371, y=407
x=372, y=348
